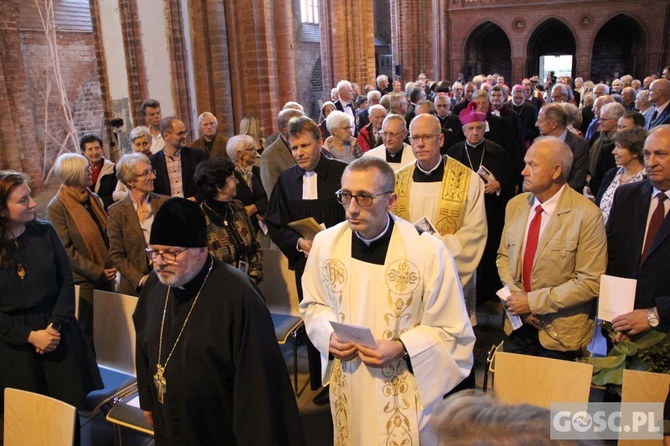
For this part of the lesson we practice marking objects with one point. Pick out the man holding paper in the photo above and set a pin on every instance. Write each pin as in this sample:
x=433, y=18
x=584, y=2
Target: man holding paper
x=377, y=271
x=302, y=191
x=638, y=234
x=450, y=195
x=552, y=253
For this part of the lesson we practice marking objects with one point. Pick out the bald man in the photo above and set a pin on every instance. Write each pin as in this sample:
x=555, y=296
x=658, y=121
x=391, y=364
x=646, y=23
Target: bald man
x=449, y=194
x=659, y=95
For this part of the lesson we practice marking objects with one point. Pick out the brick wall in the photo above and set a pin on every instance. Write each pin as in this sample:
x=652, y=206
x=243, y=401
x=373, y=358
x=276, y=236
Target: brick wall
x=24, y=72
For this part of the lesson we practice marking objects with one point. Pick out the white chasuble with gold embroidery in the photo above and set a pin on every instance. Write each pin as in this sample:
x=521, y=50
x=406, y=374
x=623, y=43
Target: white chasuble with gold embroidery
x=416, y=297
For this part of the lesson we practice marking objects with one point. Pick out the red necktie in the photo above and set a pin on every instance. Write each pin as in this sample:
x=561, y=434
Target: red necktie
x=654, y=224
x=531, y=247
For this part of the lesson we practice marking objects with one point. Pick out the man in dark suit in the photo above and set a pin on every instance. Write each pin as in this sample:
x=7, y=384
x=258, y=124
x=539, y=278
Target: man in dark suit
x=470, y=89
x=363, y=116
x=553, y=121
x=345, y=102
x=211, y=142
x=175, y=164
x=499, y=131
x=659, y=95
x=638, y=236
x=527, y=115
x=447, y=119
x=277, y=157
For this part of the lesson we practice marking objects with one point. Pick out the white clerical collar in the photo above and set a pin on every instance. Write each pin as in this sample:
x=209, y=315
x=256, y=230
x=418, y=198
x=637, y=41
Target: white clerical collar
x=309, y=186
x=367, y=241
x=428, y=172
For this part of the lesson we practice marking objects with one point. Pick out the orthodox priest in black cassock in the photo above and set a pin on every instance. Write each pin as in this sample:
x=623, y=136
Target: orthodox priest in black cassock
x=475, y=152
x=207, y=348
x=287, y=205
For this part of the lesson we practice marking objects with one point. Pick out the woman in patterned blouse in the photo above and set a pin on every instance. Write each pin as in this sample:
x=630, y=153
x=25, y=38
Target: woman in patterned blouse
x=230, y=236
x=627, y=152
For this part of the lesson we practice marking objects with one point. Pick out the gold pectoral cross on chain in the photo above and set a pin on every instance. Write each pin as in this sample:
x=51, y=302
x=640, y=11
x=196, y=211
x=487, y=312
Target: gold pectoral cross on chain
x=160, y=383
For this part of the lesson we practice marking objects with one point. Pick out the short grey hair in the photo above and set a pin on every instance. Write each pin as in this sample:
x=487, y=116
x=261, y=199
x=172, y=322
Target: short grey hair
x=366, y=163
x=379, y=107
x=70, y=169
x=140, y=131
x=237, y=143
x=381, y=77
x=373, y=93
x=125, y=167
x=294, y=105
x=613, y=110
x=337, y=119
x=341, y=85
x=395, y=117
x=285, y=116
x=207, y=115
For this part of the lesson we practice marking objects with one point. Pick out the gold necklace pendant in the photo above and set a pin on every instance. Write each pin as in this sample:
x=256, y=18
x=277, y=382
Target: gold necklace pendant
x=21, y=271
x=160, y=383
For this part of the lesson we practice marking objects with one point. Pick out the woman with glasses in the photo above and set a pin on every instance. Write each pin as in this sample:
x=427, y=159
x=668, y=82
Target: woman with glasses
x=41, y=345
x=140, y=141
x=78, y=216
x=250, y=192
x=340, y=145
x=130, y=221
x=231, y=237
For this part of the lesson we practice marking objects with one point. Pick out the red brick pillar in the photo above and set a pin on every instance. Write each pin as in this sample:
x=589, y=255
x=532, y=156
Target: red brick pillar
x=211, y=60
x=412, y=33
x=518, y=70
x=583, y=68
x=347, y=42
x=259, y=86
x=19, y=148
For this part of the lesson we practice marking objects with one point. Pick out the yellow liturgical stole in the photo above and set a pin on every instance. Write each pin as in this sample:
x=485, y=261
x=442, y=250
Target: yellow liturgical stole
x=451, y=202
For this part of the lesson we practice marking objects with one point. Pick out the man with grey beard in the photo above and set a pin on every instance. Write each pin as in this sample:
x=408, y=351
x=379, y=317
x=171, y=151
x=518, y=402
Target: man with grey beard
x=205, y=343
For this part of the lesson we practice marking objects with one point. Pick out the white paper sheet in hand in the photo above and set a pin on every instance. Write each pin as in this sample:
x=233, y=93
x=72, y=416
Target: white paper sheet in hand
x=354, y=333
x=503, y=293
x=617, y=297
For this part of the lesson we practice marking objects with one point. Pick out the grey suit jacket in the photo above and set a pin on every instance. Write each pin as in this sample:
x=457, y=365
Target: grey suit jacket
x=275, y=159
x=570, y=258
x=126, y=241
x=580, y=161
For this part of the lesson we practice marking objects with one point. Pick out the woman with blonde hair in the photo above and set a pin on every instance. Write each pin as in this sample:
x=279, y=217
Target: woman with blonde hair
x=252, y=125
x=80, y=220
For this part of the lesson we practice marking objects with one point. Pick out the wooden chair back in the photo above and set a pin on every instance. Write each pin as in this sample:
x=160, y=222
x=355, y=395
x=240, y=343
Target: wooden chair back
x=540, y=381
x=34, y=419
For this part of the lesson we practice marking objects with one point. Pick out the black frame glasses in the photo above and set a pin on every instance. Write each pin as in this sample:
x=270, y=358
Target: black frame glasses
x=169, y=258
x=363, y=200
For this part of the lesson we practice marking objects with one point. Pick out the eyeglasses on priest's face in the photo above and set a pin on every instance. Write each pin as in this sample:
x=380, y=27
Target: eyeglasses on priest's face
x=363, y=200
x=169, y=257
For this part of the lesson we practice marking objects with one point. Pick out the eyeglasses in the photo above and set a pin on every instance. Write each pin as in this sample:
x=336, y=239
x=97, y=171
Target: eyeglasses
x=393, y=135
x=147, y=173
x=427, y=139
x=348, y=127
x=363, y=200
x=168, y=257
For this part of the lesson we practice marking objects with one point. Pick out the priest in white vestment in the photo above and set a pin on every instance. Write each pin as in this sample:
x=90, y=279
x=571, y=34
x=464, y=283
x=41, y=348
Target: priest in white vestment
x=377, y=271
x=448, y=194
